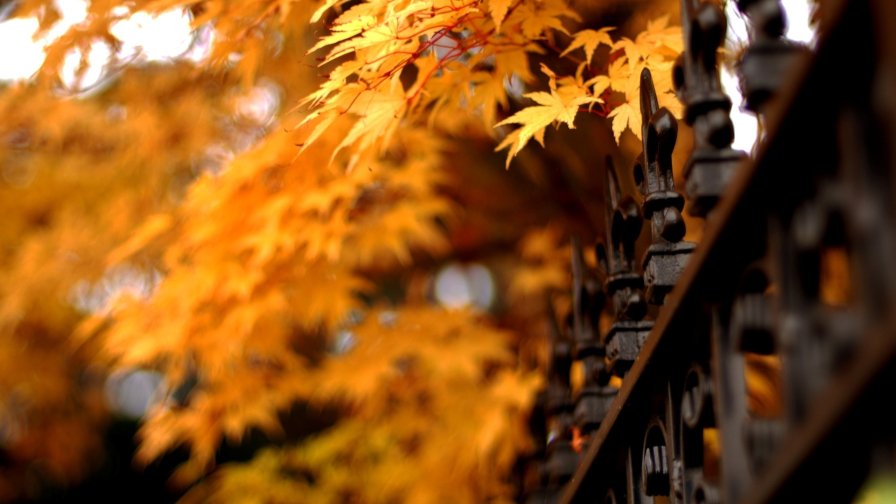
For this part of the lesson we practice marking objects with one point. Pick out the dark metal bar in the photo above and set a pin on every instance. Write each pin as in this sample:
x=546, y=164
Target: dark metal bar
x=730, y=405
x=593, y=400
x=623, y=284
x=561, y=458
x=767, y=61
x=696, y=79
x=829, y=456
x=668, y=254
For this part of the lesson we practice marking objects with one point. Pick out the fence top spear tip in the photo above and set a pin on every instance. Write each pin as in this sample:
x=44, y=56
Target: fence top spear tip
x=649, y=103
x=613, y=193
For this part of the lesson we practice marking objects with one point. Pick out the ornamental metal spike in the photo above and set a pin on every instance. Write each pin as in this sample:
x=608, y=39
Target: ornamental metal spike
x=707, y=107
x=667, y=254
x=557, y=398
x=696, y=75
x=594, y=398
x=562, y=460
x=623, y=284
x=624, y=223
x=769, y=57
x=588, y=302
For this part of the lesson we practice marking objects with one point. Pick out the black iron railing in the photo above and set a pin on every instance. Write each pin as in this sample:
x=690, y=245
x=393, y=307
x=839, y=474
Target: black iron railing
x=793, y=282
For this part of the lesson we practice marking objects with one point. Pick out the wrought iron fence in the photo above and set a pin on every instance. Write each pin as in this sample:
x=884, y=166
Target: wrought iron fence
x=792, y=281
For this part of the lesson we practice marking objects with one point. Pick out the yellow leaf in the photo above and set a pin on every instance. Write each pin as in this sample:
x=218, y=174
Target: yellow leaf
x=589, y=40
x=598, y=84
x=498, y=10
x=558, y=105
x=620, y=75
x=327, y=5
x=626, y=115
x=345, y=31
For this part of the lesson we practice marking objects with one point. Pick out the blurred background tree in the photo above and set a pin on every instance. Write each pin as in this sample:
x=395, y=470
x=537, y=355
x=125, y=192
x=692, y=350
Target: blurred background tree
x=280, y=237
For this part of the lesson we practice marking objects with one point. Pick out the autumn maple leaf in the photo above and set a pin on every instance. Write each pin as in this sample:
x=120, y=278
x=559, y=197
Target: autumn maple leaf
x=589, y=40
x=560, y=105
x=556, y=106
x=498, y=10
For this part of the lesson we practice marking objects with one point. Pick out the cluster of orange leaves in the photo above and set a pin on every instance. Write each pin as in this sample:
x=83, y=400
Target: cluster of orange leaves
x=69, y=173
